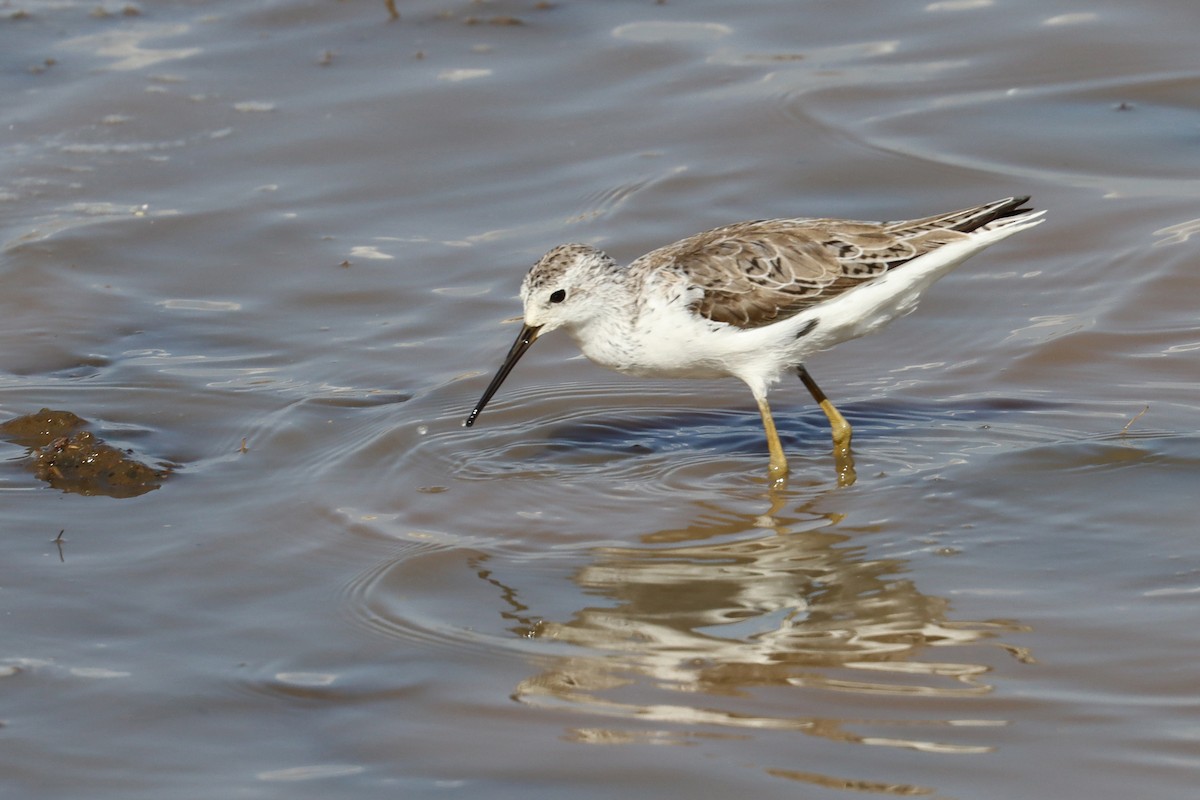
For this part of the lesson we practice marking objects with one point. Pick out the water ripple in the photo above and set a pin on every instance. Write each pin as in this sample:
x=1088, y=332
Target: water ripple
x=585, y=432
x=669, y=631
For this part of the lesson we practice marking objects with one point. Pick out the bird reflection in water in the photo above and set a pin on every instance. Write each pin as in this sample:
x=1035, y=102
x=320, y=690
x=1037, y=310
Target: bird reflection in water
x=793, y=616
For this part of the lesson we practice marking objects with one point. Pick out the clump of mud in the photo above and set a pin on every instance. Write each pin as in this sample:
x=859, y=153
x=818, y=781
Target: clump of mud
x=74, y=460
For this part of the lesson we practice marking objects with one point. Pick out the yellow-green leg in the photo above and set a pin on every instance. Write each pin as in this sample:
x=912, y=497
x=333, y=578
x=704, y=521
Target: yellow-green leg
x=841, y=429
x=778, y=468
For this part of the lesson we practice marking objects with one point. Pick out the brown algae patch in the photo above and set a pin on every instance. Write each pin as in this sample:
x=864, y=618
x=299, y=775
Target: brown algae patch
x=71, y=459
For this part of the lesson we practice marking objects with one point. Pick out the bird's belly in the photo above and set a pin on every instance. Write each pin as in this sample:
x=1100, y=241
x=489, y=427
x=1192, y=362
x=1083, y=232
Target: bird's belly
x=666, y=356
x=671, y=370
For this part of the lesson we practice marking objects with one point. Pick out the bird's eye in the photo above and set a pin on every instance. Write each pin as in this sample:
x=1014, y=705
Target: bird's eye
x=558, y=295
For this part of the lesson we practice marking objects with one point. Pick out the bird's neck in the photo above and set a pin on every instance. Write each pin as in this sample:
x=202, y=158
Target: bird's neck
x=605, y=334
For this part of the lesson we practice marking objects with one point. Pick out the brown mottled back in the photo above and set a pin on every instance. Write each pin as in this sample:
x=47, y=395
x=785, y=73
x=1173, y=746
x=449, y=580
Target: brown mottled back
x=756, y=273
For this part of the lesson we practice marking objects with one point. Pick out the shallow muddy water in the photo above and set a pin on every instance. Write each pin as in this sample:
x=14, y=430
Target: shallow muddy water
x=270, y=251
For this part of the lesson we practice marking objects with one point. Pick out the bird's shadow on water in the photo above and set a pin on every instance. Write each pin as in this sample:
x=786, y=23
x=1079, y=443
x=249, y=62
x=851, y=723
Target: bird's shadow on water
x=641, y=430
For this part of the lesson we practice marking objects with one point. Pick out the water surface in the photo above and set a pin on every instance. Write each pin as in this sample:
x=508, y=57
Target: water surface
x=270, y=248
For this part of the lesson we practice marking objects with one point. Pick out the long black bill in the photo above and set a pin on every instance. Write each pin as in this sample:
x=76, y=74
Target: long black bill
x=525, y=338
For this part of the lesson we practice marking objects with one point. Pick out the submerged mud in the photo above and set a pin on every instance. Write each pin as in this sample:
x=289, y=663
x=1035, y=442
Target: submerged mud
x=74, y=460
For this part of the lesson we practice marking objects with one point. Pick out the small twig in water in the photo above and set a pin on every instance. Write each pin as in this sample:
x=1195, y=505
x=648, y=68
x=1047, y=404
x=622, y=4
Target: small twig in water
x=1136, y=417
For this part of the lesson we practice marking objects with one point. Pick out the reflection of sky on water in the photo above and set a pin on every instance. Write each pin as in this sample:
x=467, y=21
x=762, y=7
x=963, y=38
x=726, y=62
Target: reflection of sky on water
x=126, y=45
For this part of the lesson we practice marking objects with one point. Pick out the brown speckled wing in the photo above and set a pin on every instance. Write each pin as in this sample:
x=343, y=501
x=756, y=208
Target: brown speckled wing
x=756, y=273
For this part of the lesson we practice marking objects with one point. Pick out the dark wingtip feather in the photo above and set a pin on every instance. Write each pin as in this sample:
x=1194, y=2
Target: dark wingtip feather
x=1001, y=210
x=1017, y=202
